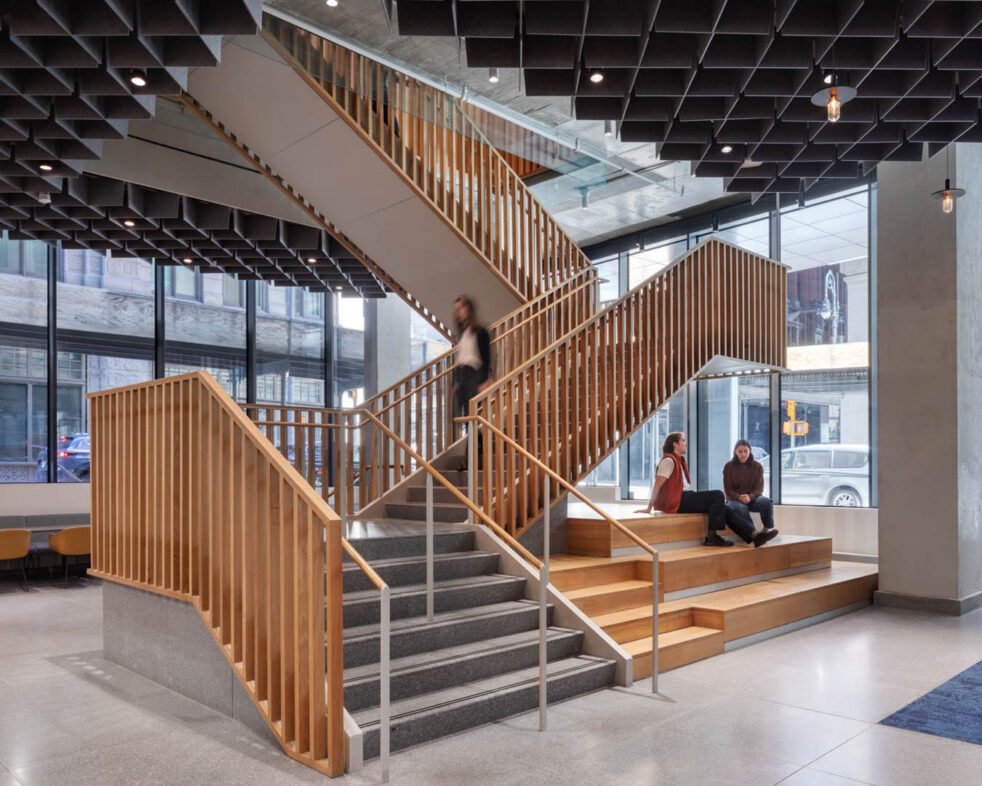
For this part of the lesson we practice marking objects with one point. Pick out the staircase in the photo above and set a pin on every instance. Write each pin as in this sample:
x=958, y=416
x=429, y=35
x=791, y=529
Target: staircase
x=435, y=202
x=475, y=662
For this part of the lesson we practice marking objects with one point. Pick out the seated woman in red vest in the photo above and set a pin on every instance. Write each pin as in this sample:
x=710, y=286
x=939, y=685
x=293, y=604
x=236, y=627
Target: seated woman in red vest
x=672, y=492
x=743, y=484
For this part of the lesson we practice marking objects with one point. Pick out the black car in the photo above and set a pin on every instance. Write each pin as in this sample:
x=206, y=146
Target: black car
x=73, y=459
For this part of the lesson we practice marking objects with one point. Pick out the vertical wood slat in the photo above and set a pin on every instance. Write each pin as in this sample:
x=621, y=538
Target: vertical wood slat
x=182, y=505
x=541, y=256
x=632, y=357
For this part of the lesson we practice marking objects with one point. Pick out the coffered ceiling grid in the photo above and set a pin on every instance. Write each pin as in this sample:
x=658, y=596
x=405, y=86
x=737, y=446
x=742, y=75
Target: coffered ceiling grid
x=109, y=215
x=693, y=76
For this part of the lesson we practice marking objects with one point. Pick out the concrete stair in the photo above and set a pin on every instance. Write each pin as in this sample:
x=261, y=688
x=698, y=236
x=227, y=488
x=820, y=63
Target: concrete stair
x=475, y=662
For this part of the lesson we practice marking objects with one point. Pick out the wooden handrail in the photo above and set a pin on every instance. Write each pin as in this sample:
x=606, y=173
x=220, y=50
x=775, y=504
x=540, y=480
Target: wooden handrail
x=424, y=134
x=189, y=500
x=557, y=480
x=573, y=402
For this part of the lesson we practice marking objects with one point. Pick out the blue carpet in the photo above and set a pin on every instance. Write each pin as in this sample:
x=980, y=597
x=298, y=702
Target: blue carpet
x=952, y=710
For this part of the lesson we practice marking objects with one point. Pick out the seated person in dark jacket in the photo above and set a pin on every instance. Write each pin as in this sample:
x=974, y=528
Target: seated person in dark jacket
x=743, y=484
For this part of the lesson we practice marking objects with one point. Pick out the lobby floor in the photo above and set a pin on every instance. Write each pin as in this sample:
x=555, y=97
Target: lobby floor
x=800, y=710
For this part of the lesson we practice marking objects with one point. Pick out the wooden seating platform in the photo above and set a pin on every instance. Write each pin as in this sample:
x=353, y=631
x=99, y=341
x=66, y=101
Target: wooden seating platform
x=589, y=535
x=715, y=596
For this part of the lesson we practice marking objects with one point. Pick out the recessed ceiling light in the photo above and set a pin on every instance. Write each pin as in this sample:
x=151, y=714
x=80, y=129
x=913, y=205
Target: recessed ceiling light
x=726, y=149
x=493, y=76
x=339, y=287
x=311, y=260
x=828, y=78
x=129, y=222
x=45, y=167
x=138, y=78
x=332, y=3
x=597, y=77
x=186, y=260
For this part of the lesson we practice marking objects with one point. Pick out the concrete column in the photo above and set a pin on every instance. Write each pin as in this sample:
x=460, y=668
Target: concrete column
x=388, y=343
x=855, y=272
x=929, y=323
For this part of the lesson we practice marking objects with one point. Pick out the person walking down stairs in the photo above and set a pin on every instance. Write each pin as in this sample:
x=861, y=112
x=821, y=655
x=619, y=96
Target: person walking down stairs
x=672, y=492
x=472, y=359
x=743, y=484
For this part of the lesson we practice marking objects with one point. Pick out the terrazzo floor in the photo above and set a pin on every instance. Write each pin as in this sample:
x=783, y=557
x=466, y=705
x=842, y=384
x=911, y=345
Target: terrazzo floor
x=801, y=710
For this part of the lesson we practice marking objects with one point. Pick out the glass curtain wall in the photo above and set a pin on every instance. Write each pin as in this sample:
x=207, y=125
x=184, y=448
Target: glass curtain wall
x=823, y=406
x=105, y=339
x=23, y=359
x=206, y=326
x=105, y=316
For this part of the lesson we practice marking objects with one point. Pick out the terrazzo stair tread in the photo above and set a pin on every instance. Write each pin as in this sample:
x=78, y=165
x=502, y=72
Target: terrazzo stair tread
x=426, y=717
x=416, y=511
x=458, y=478
x=380, y=548
x=605, y=598
x=441, y=494
x=414, y=634
x=699, y=566
x=401, y=571
x=414, y=674
x=362, y=607
x=675, y=648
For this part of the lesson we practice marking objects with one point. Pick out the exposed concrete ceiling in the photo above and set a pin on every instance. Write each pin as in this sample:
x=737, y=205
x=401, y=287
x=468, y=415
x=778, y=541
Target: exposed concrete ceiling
x=629, y=188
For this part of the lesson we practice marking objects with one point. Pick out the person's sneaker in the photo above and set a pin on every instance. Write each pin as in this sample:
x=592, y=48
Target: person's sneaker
x=763, y=536
x=714, y=539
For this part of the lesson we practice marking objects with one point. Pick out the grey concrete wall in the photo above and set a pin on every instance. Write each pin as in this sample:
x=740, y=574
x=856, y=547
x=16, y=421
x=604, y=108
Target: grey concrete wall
x=166, y=641
x=929, y=329
x=388, y=343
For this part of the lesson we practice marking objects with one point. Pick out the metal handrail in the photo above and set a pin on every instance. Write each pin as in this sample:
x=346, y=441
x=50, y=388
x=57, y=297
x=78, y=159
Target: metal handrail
x=570, y=488
x=424, y=464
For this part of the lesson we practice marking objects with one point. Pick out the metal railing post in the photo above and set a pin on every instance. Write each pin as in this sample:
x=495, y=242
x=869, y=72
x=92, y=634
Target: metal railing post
x=341, y=479
x=429, y=547
x=543, y=609
x=654, y=623
x=471, y=467
x=384, y=682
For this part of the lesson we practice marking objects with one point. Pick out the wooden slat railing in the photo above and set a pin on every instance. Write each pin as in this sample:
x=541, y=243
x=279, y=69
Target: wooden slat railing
x=189, y=500
x=418, y=407
x=424, y=134
x=577, y=400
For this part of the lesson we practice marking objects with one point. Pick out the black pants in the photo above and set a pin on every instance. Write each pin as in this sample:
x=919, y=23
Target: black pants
x=739, y=513
x=468, y=381
x=711, y=502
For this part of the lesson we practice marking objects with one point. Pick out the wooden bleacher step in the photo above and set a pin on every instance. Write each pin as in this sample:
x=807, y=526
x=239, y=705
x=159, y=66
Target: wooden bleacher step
x=687, y=626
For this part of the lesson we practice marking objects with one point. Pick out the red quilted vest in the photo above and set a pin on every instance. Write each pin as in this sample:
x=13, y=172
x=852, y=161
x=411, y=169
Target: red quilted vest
x=670, y=494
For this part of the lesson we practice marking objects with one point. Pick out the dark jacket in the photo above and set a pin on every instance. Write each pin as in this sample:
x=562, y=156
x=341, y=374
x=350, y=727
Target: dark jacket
x=743, y=479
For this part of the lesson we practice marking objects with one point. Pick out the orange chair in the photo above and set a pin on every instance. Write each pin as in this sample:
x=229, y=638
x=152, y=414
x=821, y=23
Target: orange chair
x=71, y=542
x=14, y=544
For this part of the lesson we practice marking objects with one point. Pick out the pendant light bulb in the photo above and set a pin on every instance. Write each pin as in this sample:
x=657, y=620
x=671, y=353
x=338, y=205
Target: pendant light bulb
x=493, y=76
x=834, y=107
x=947, y=202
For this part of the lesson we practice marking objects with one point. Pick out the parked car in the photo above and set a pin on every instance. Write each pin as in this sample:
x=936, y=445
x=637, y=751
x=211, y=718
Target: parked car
x=73, y=459
x=824, y=475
